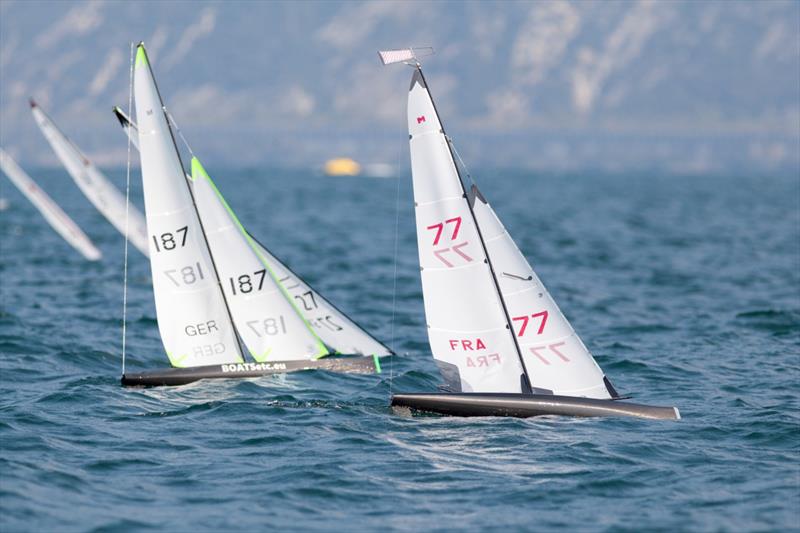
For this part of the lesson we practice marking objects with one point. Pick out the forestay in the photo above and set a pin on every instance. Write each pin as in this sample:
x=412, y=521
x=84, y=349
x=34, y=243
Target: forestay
x=59, y=220
x=94, y=185
x=193, y=320
x=268, y=323
x=467, y=328
x=336, y=329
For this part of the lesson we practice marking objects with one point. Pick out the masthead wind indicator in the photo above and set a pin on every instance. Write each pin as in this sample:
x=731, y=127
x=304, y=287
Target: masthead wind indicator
x=409, y=56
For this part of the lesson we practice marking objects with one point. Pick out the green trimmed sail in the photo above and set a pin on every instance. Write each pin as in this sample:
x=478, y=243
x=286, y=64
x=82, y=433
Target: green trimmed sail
x=268, y=322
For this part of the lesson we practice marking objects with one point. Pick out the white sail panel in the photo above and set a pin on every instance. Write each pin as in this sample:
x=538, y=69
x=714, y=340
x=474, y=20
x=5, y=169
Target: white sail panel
x=466, y=324
x=94, y=185
x=192, y=317
x=334, y=327
x=59, y=220
x=270, y=326
x=555, y=357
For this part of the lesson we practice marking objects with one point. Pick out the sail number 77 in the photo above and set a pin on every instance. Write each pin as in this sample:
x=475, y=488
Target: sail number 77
x=439, y=253
x=526, y=318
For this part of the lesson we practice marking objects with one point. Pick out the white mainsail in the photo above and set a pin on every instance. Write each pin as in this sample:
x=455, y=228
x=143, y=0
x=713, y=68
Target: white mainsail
x=193, y=318
x=100, y=192
x=268, y=323
x=466, y=324
x=59, y=220
x=336, y=329
x=488, y=313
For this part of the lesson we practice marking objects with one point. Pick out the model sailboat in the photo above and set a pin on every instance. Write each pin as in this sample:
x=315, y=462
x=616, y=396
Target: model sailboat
x=213, y=287
x=336, y=329
x=94, y=185
x=53, y=214
x=503, y=346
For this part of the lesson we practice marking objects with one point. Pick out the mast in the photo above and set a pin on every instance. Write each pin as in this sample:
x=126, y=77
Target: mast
x=526, y=382
x=194, y=204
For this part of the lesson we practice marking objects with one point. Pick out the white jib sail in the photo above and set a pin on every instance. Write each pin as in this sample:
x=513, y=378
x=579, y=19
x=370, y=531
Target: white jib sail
x=555, y=356
x=466, y=324
x=103, y=195
x=192, y=316
x=268, y=323
x=335, y=328
x=59, y=220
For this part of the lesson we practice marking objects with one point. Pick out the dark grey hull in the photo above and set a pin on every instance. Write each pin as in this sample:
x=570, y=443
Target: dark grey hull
x=526, y=405
x=182, y=376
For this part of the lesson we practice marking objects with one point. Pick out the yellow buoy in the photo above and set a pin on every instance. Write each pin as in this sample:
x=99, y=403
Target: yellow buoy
x=342, y=166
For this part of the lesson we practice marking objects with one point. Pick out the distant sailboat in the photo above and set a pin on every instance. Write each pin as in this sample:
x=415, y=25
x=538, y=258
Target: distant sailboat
x=59, y=220
x=212, y=287
x=503, y=346
x=94, y=185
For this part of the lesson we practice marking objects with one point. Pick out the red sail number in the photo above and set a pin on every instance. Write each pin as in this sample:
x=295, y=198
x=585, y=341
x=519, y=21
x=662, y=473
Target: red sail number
x=440, y=226
x=526, y=318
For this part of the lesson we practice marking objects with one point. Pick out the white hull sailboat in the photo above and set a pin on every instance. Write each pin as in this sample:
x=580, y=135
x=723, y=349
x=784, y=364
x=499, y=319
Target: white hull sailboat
x=219, y=295
x=54, y=215
x=501, y=343
x=95, y=186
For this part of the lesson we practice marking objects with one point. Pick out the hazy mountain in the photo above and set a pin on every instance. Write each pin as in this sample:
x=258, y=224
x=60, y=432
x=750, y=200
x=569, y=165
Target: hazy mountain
x=670, y=86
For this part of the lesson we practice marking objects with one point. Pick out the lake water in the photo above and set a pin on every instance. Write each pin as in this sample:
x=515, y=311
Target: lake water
x=686, y=289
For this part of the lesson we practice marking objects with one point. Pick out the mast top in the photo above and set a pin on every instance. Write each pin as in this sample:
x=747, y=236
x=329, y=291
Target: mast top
x=408, y=56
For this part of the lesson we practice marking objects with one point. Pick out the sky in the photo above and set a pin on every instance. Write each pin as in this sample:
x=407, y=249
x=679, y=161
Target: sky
x=697, y=87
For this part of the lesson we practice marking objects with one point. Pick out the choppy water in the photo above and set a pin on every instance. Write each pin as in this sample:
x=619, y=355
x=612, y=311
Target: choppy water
x=686, y=289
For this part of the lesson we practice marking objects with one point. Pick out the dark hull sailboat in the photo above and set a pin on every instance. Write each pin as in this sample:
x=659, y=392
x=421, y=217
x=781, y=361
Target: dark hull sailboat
x=492, y=325
x=220, y=295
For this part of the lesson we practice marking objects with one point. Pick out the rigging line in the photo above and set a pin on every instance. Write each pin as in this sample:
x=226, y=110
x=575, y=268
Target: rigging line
x=394, y=278
x=460, y=161
x=127, y=211
x=178, y=129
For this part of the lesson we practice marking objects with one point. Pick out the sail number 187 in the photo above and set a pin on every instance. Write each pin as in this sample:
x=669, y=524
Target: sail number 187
x=169, y=240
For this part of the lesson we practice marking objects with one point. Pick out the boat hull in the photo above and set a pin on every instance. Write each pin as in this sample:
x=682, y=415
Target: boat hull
x=527, y=405
x=182, y=376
